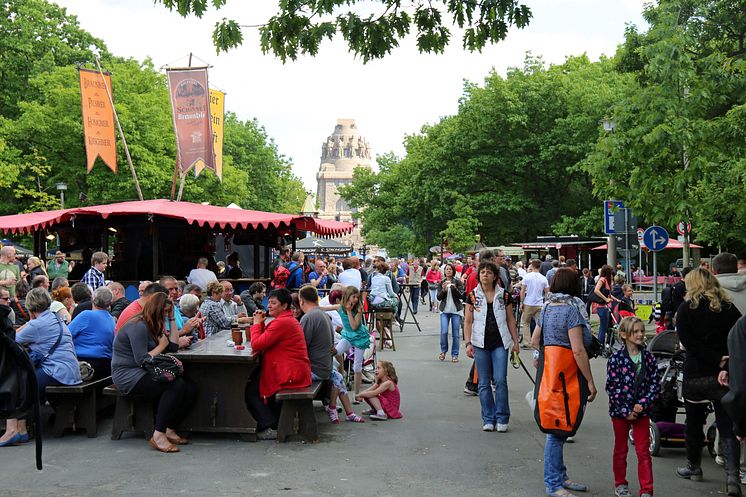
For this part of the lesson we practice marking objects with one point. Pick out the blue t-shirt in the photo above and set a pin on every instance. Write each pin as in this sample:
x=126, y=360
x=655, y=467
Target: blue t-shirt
x=556, y=320
x=93, y=334
x=322, y=284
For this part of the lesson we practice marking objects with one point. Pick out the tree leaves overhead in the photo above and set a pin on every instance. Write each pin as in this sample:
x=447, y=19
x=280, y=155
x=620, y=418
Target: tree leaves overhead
x=41, y=132
x=507, y=166
x=300, y=26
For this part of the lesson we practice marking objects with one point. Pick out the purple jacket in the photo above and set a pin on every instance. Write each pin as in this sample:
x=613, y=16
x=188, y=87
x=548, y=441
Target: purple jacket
x=620, y=383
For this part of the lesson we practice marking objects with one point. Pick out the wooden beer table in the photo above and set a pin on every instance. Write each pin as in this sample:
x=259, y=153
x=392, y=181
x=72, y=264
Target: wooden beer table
x=221, y=374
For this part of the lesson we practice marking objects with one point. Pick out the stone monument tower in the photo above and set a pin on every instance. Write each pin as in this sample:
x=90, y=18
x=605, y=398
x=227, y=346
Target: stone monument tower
x=343, y=151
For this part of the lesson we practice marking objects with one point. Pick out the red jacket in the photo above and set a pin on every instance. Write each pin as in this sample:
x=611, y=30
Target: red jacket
x=285, y=362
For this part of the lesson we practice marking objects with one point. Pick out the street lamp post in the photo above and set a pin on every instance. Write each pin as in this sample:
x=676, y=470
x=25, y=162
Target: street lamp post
x=609, y=127
x=62, y=187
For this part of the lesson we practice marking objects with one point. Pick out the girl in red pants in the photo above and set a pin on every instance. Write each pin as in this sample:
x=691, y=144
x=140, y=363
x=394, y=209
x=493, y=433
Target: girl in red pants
x=632, y=385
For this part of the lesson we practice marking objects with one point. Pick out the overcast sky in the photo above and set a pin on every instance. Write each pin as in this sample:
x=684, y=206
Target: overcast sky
x=299, y=102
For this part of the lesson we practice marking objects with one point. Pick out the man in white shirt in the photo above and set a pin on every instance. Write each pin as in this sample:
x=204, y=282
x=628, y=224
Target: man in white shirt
x=232, y=305
x=535, y=286
x=201, y=275
x=350, y=276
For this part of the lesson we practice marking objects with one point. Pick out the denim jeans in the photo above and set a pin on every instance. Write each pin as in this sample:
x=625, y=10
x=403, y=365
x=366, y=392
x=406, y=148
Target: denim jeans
x=455, y=320
x=493, y=365
x=414, y=296
x=555, y=472
x=603, y=316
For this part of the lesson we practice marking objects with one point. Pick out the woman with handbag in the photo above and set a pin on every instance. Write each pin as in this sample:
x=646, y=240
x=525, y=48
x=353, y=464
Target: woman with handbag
x=601, y=297
x=564, y=378
x=703, y=323
x=51, y=351
x=138, y=347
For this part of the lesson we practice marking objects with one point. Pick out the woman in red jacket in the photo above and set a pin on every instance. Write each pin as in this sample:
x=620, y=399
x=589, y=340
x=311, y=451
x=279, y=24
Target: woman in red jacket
x=285, y=362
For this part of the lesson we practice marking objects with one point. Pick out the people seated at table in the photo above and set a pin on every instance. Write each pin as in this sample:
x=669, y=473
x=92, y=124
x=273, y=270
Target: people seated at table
x=62, y=303
x=201, y=275
x=233, y=306
x=137, y=306
x=93, y=334
x=284, y=361
x=48, y=338
x=189, y=305
x=142, y=286
x=119, y=301
x=295, y=306
x=381, y=295
x=350, y=276
x=40, y=281
x=194, y=290
x=82, y=295
x=317, y=329
x=212, y=310
x=253, y=298
x=319, y=278
x=58, y=282
x=144, y=336
x=18, y=303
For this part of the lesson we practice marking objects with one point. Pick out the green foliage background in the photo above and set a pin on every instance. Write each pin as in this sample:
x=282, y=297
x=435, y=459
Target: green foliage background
x=41, y=133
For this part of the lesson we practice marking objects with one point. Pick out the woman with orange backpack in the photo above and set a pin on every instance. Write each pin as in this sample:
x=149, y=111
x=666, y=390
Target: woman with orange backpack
x=564, y=380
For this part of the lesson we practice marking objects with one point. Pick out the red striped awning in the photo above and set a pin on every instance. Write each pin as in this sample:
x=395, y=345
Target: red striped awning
x=197, y=214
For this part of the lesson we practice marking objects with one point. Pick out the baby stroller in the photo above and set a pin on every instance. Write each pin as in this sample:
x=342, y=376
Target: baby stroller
x=369, y=363
x=664, y=430
x=618, y=311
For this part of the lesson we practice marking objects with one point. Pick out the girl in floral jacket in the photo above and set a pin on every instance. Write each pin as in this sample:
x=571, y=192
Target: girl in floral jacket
x=632, y=384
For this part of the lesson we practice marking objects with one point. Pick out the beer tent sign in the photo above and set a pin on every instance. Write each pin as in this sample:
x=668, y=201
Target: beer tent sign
x=217, y=114
x=190, y=107
x=98, y=118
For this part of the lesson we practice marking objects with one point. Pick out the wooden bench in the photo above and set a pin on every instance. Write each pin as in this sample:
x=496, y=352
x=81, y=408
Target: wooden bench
x=76, y=406
x=298, y=402
x=131, y=413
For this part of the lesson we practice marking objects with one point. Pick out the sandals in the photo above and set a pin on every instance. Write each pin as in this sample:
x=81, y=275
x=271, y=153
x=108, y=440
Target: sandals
x=442, y=356
x=167, y=450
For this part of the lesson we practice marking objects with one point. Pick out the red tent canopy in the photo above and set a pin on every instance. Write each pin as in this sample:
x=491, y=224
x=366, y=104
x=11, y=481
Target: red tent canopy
x=672, y=244
x=201, y=215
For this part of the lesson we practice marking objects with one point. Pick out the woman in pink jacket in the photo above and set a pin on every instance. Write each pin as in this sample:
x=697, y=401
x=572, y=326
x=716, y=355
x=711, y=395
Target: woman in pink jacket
x=434, y=277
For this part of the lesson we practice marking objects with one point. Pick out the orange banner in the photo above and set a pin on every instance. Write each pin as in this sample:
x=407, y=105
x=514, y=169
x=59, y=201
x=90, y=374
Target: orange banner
x=217, y=114
x=190, y=106
x=98, y=119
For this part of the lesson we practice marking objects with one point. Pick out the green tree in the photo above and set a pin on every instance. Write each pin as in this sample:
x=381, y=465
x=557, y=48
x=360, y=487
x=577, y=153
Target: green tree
x=507, y=166
x=300, y=26
x=36, y=35
x=677, y=152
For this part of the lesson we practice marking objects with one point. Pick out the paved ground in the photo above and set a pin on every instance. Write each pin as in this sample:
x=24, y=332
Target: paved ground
x=437, y=450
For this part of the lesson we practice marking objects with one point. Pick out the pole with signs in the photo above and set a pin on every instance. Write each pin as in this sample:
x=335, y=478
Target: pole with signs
x=655, y=239
x=610, y=207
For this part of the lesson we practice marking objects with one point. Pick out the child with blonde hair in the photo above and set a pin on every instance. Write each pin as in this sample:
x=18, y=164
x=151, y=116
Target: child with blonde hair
x=354, y=332
x=632, y=384
x=383, y=396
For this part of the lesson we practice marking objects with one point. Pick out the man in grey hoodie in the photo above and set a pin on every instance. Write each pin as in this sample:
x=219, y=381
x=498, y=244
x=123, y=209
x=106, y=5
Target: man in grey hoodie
x=725, y=267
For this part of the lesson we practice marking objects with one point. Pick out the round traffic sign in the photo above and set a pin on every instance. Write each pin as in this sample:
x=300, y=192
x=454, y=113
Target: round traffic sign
x=680, y=227
x=655, y=238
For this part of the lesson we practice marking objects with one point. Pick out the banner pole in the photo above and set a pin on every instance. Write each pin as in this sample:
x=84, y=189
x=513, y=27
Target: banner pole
x=181, y=187
x=173, y=182
x=119, y=127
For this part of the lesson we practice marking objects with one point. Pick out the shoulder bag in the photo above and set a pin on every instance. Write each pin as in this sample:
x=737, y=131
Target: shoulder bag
x=163, y=368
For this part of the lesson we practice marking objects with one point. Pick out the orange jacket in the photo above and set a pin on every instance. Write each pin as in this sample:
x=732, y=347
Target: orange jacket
x=285, y=362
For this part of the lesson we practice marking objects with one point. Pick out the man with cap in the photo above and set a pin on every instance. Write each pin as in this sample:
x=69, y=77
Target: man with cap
x=59, y=267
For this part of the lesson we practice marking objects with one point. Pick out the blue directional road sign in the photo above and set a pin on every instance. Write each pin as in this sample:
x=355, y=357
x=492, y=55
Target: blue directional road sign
x=610, y=207
x=655, y=238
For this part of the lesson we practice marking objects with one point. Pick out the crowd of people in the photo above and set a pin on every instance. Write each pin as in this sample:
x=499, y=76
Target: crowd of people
x=311, y=319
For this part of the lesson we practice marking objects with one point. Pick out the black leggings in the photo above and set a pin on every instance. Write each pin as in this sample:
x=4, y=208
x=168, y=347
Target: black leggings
x=696, y=416
x=266, y=414
x=172, y=400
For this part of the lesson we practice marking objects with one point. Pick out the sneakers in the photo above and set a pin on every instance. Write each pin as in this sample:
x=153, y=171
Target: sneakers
x=720, y=460
x=622, y=491
x=690, y=472
x=379, y=416
x=502, y=428
x=268, y=434
x=742, y=476
x=469, y=391
x=354, y=418
x=369, y=412
x=488, y=427
x=578, y=487
x=333, y=416
x=645, y=495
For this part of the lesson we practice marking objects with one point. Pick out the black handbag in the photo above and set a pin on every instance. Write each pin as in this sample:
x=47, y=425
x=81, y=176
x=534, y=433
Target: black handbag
x=702, y=389
x=163, y=368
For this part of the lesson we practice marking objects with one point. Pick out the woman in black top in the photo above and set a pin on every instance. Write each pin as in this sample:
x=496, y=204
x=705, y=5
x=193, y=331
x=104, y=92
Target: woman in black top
x=703, y=323
x=451, y=298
